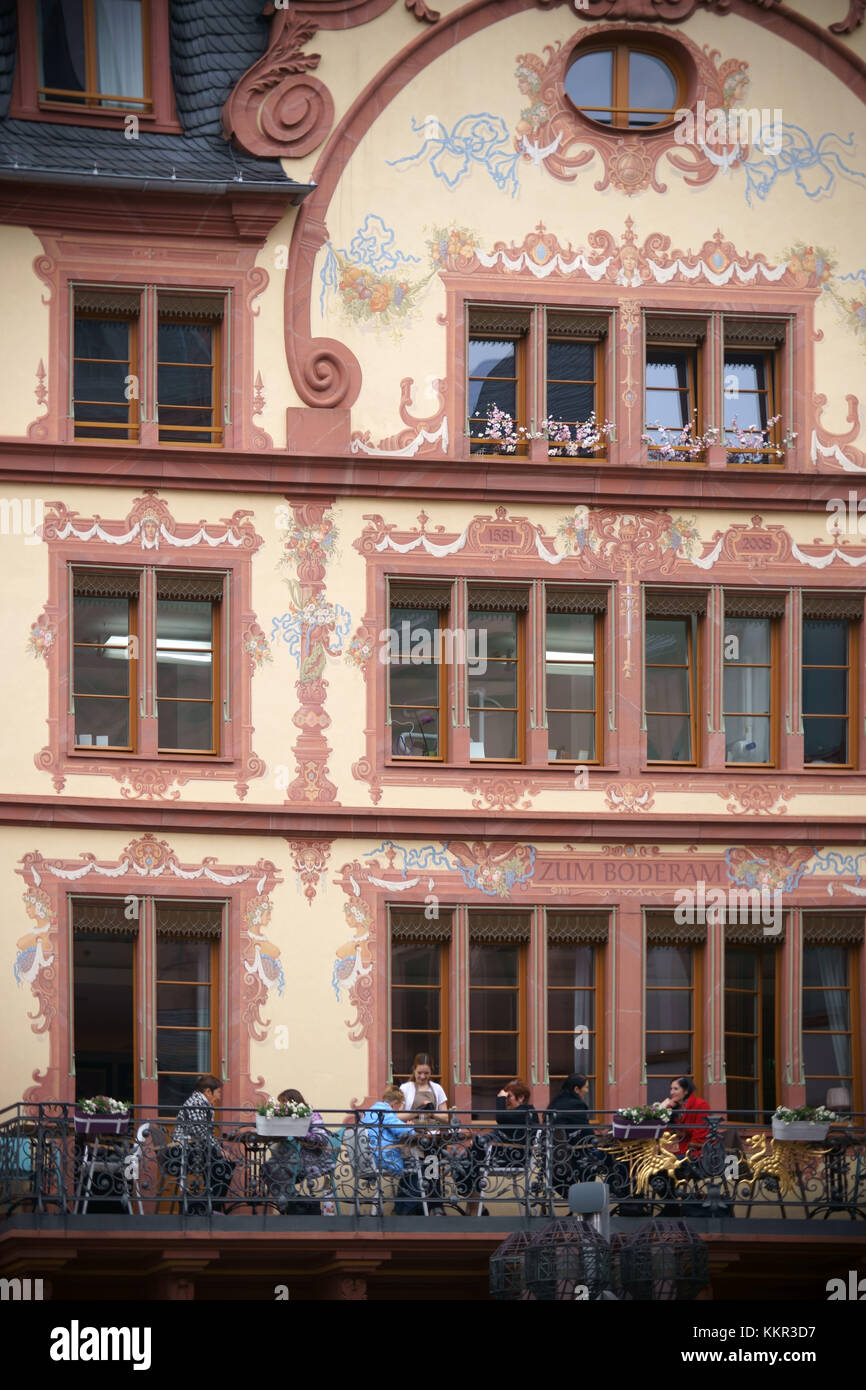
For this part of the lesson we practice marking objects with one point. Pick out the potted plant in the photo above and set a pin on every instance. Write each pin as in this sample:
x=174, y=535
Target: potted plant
x=283, y=1118
x=641, y=1121
x=808, y=1123
x=101, y=1115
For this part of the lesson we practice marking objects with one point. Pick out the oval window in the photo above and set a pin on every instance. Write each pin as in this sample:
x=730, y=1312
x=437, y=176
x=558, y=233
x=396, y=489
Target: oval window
x=624, y=87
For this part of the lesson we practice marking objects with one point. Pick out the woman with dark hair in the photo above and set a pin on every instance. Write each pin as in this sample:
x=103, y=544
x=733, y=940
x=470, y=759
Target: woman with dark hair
x=569, y=1109
x=301, y=1161
x=205, y=1161
x=570, y=1130
x=688, y=1116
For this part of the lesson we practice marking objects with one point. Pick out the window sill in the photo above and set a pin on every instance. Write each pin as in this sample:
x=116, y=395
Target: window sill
x=119, y=755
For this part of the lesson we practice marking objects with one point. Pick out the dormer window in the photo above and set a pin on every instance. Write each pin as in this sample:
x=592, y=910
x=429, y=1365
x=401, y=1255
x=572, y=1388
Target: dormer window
x=92, y=53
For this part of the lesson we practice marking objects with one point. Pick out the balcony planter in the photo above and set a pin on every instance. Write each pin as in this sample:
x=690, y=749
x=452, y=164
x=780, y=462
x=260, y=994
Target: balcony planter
x=642, y=1129
x=283, y=1126
x=800, y=1131
x=101, y=1124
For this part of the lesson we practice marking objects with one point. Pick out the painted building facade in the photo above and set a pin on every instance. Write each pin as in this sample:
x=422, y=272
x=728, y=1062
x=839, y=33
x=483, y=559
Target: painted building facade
x=402, y=728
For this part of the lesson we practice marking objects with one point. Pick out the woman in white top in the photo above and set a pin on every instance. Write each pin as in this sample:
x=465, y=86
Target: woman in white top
x=422, y=1091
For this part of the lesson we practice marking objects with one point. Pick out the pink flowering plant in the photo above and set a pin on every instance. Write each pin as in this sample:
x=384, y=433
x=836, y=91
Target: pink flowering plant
x=751, y=445
x=667, y=446
x=587, y=438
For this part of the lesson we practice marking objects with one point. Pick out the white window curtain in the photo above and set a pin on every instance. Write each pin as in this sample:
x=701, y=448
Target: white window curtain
x=119, y=48
x=833, y=971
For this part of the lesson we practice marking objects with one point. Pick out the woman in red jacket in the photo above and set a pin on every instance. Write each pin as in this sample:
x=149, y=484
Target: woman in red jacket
x=688, y=1116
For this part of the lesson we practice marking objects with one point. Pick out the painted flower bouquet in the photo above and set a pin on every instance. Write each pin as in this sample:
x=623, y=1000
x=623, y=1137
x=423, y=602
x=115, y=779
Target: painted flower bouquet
x=641, y=1121
x=806, y=1122
x=101, y=1115
x=283, y=1117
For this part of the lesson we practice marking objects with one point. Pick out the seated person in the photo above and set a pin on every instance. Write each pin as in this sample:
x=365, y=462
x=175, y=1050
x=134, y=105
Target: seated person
x=388, y=1135
x=299, y=1161
x=195, y=1125
x=422, y=1092
x=506, y=1145
x=688, y=1112
x=570, y=1129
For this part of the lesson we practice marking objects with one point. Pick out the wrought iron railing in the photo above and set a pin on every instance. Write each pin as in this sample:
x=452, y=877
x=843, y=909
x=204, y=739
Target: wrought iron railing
x=446, y=1165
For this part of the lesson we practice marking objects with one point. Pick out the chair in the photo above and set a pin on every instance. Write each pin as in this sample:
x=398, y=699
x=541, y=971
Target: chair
x=530, y=1169
x=116, y=1171
x=367, y=1174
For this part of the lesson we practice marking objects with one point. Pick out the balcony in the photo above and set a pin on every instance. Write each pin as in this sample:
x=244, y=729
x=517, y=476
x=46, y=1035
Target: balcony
x=351, y=1172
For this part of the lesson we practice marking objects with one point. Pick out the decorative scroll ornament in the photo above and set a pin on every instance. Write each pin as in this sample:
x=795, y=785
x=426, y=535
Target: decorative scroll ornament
x=422, y=436
x=853, y=19
x=502, y=794
x=838, y=449
x=751, y=799
x=278, y=110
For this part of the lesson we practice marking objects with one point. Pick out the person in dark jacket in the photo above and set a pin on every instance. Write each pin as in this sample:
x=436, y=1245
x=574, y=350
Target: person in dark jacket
x=506, y=1146
x=569, y=1109
x=570, y=1132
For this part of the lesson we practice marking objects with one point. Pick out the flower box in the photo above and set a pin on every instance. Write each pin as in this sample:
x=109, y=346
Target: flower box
x=640, y=1129
x=101, y=1124
x=283, y=1126
x=801, y=1131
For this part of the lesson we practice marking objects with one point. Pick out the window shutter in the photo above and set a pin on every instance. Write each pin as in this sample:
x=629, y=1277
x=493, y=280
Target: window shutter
x=576, y=600
x=193, y=586
x=188, y=304
x=189, y=919
x=662, y=930
x=103, y=299
x=848, y=606
x=753, y=604
x=498, y=598
x=419, y=594
x=102, y=916
x=490, y=321
x=105, y=583
x=675, y=603
x=685, y=329
x=574, y=324
x=832, y=929
x=502, y=926
x=754, y=332
x=578, y=928
x=410, y=924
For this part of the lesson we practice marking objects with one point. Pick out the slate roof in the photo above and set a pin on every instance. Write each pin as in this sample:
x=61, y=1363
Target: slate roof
x=213, y=43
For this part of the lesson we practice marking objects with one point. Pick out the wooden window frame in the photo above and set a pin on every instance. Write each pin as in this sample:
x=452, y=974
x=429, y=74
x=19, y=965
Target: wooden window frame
x=764, y=1106
x=622, y=48
x=853, y=678
x=599, y=379
x=775, y=677
x=772, y=354
x=133, y=666
x=697, y=991
x=213, y=983
x=522, y=1030
x=442, y=755
x=143, y=614
x=444, y=990
x=217, y=367
x=598, y=669
x=480, y=446
x=694, y=632
x=520, y=716
x=158, y=112
x=133, y=425
x=853, y=1032
x=146, y=926
x=694, y=392
x=216, y=685
x=596, y=1076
